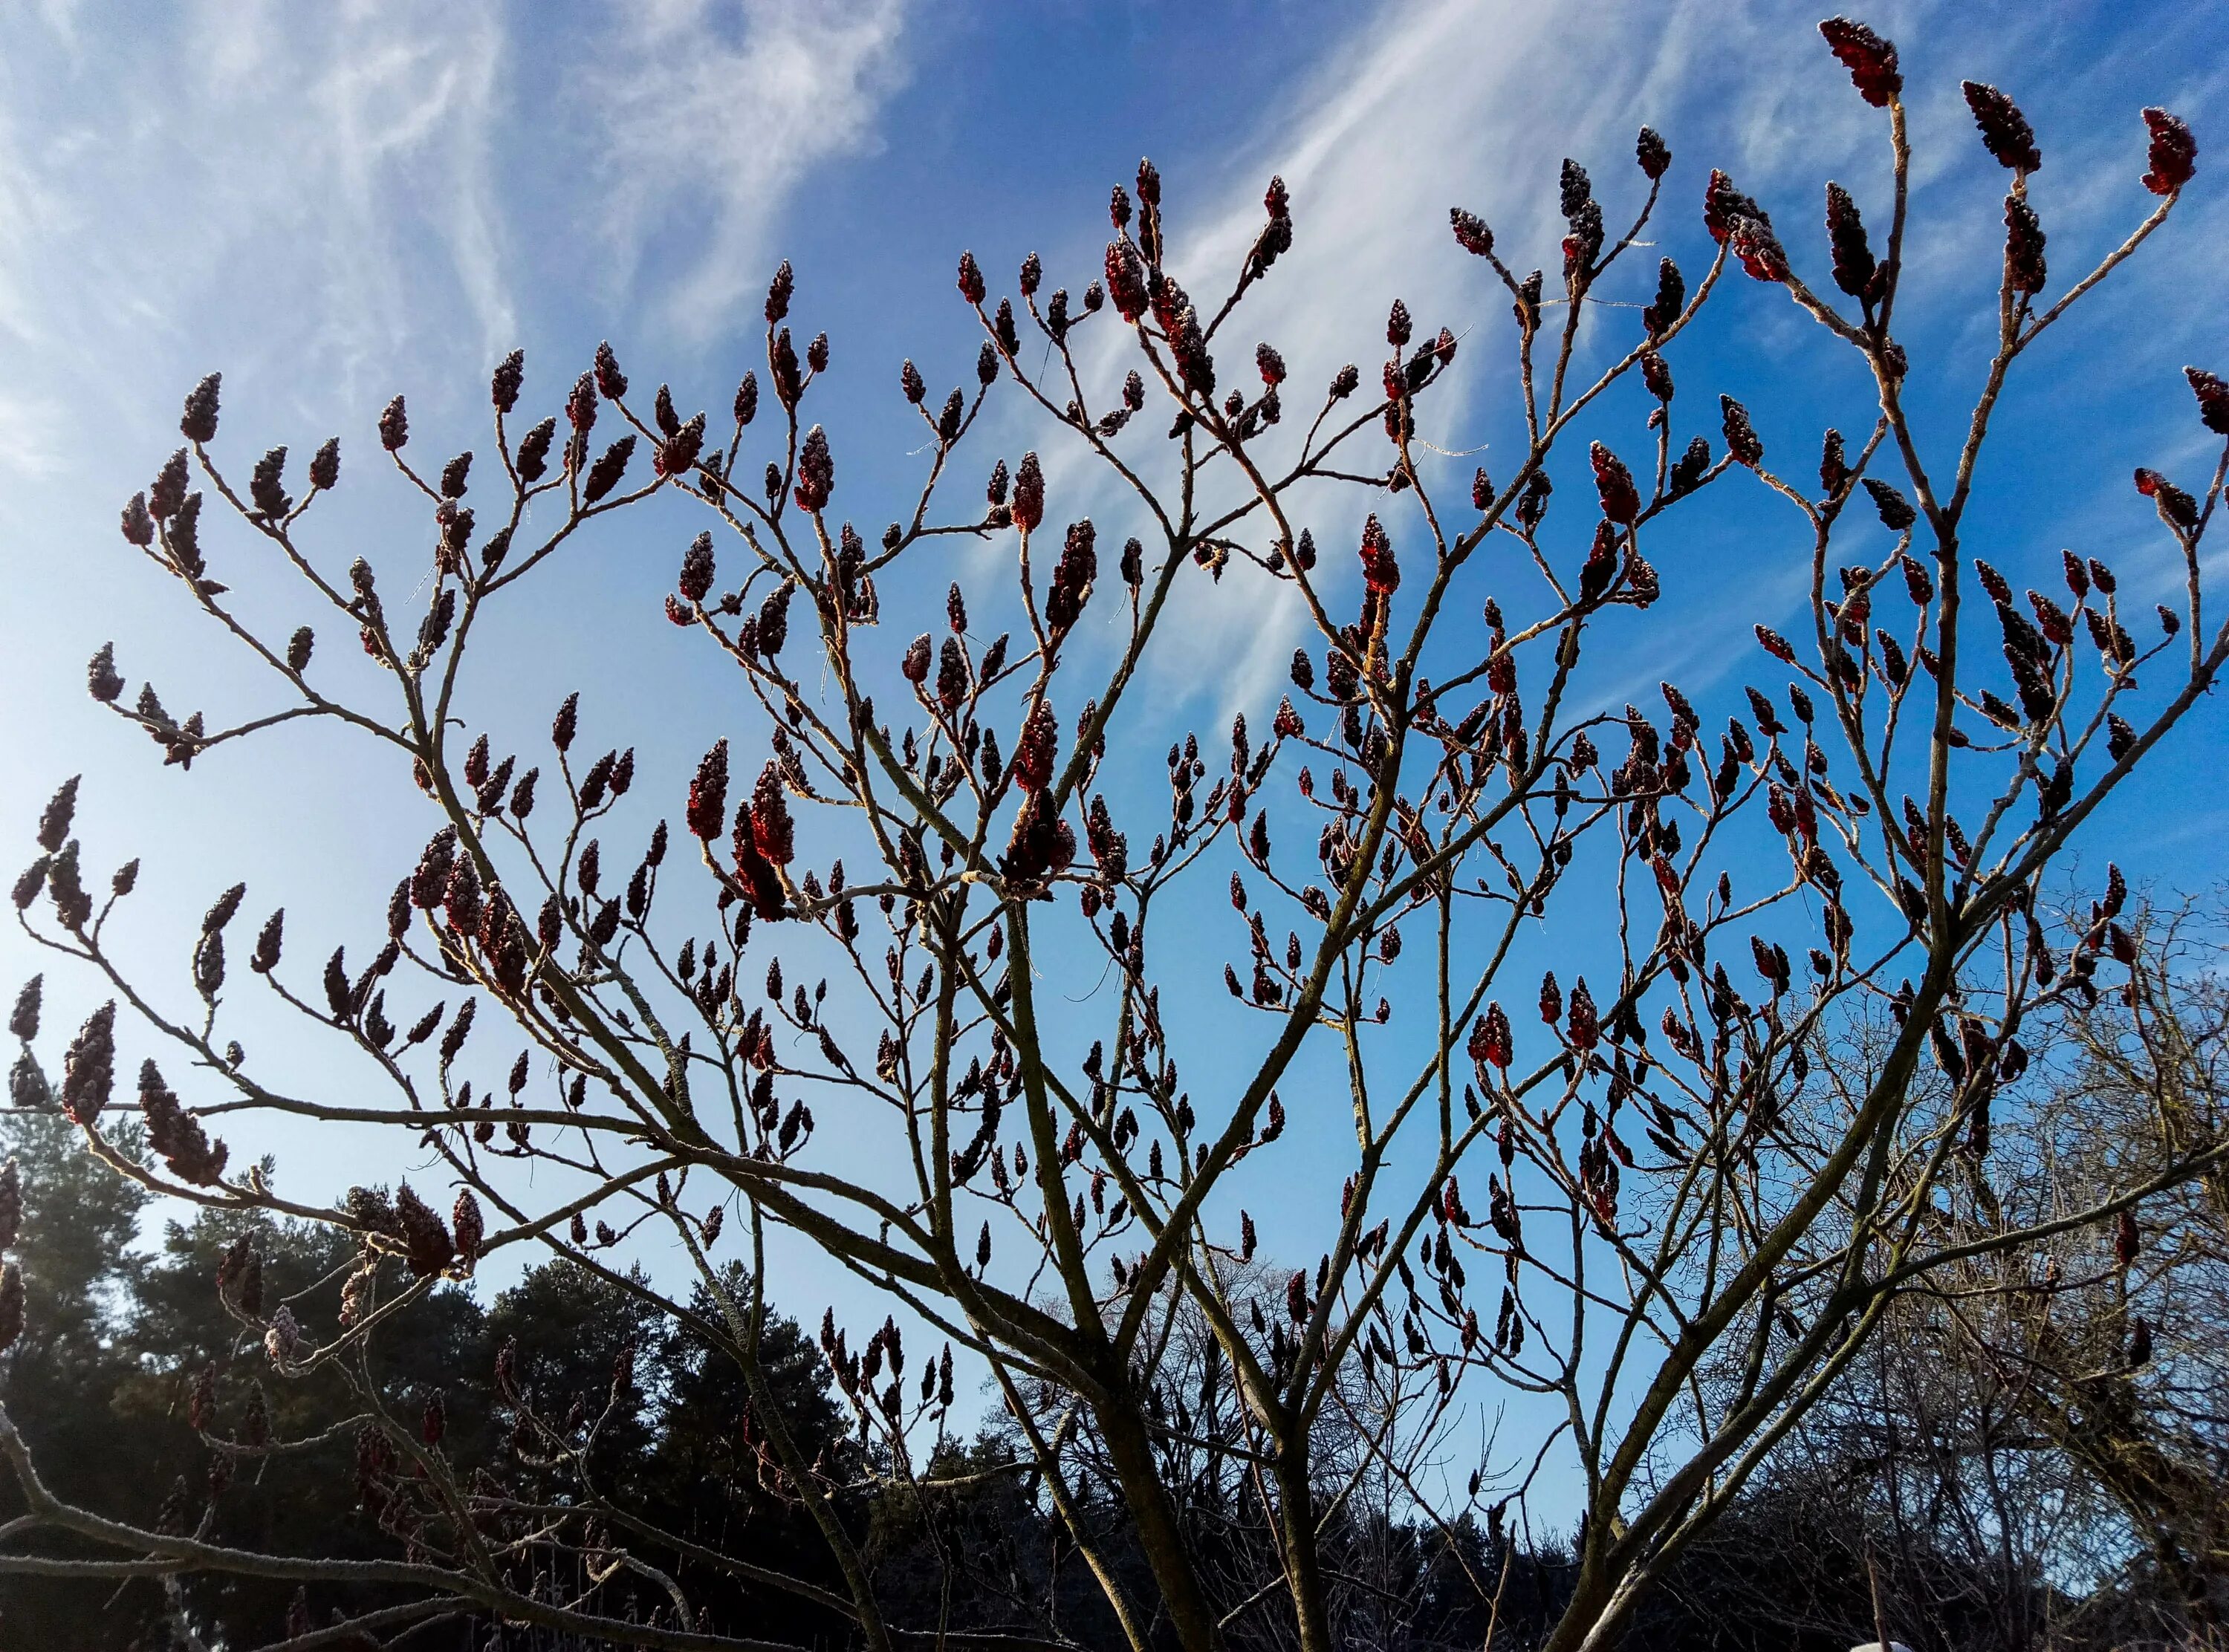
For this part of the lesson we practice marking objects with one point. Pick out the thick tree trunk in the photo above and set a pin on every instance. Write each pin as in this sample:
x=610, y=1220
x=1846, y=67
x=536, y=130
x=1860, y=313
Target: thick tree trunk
x=1596, y=1618
x=1296, y=1518
x=1158, y=1534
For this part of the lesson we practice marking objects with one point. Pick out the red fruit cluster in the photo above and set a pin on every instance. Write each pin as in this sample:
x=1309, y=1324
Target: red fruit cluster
x=1036, y=750
x=816, y=471
x=1870, y=60
x=1072, y=578
x=2005, y=131
x=1472, y=233
x=2024, y=240
x=2213, y=393
x=1379, y=571
x=177, y=1134
x=2173, y=154
x=708, y=794
x=1029, y=494
x=1621, y=502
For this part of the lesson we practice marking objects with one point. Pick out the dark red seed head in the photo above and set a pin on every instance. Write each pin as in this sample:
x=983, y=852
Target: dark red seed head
x=610, y=381
x=1855, y=268
x=696, y=568
x=1741, y=436
x=2024, y=240
x=1896, y=511
x=1380, y=572
x=1870, y=60
x=503, y=387
x=1472, y=233
x=101, y=677
x=1029, y=494
x=1753, y=242
x=1576, y=189
x=1671, y=299
x=610, y=466
x=708, y=794
x=1723, y=206
x=581, y=404
x=816, y=471
x=89, y=1067
x=1652, y=153
x=1620, y=500
x=2212, y=395
x=2005, y=131
x=2173, y=154
x=55, y=822
x=169, y=491
x=2176, y=508
x=198, y=422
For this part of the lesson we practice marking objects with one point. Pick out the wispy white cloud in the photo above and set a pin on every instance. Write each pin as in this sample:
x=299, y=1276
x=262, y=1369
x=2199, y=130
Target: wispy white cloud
x=713, y=112
x=1424, y=106
x=328, y=201
x=1429, y=103
x=27, y=444
x=331, y=202
x=305, y=197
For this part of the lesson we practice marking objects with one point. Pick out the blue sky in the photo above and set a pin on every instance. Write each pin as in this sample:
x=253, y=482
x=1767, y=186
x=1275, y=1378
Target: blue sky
x=335, y=203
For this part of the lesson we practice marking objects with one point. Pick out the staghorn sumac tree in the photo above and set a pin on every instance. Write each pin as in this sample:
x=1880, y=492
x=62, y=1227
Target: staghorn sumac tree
x=912, y=839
